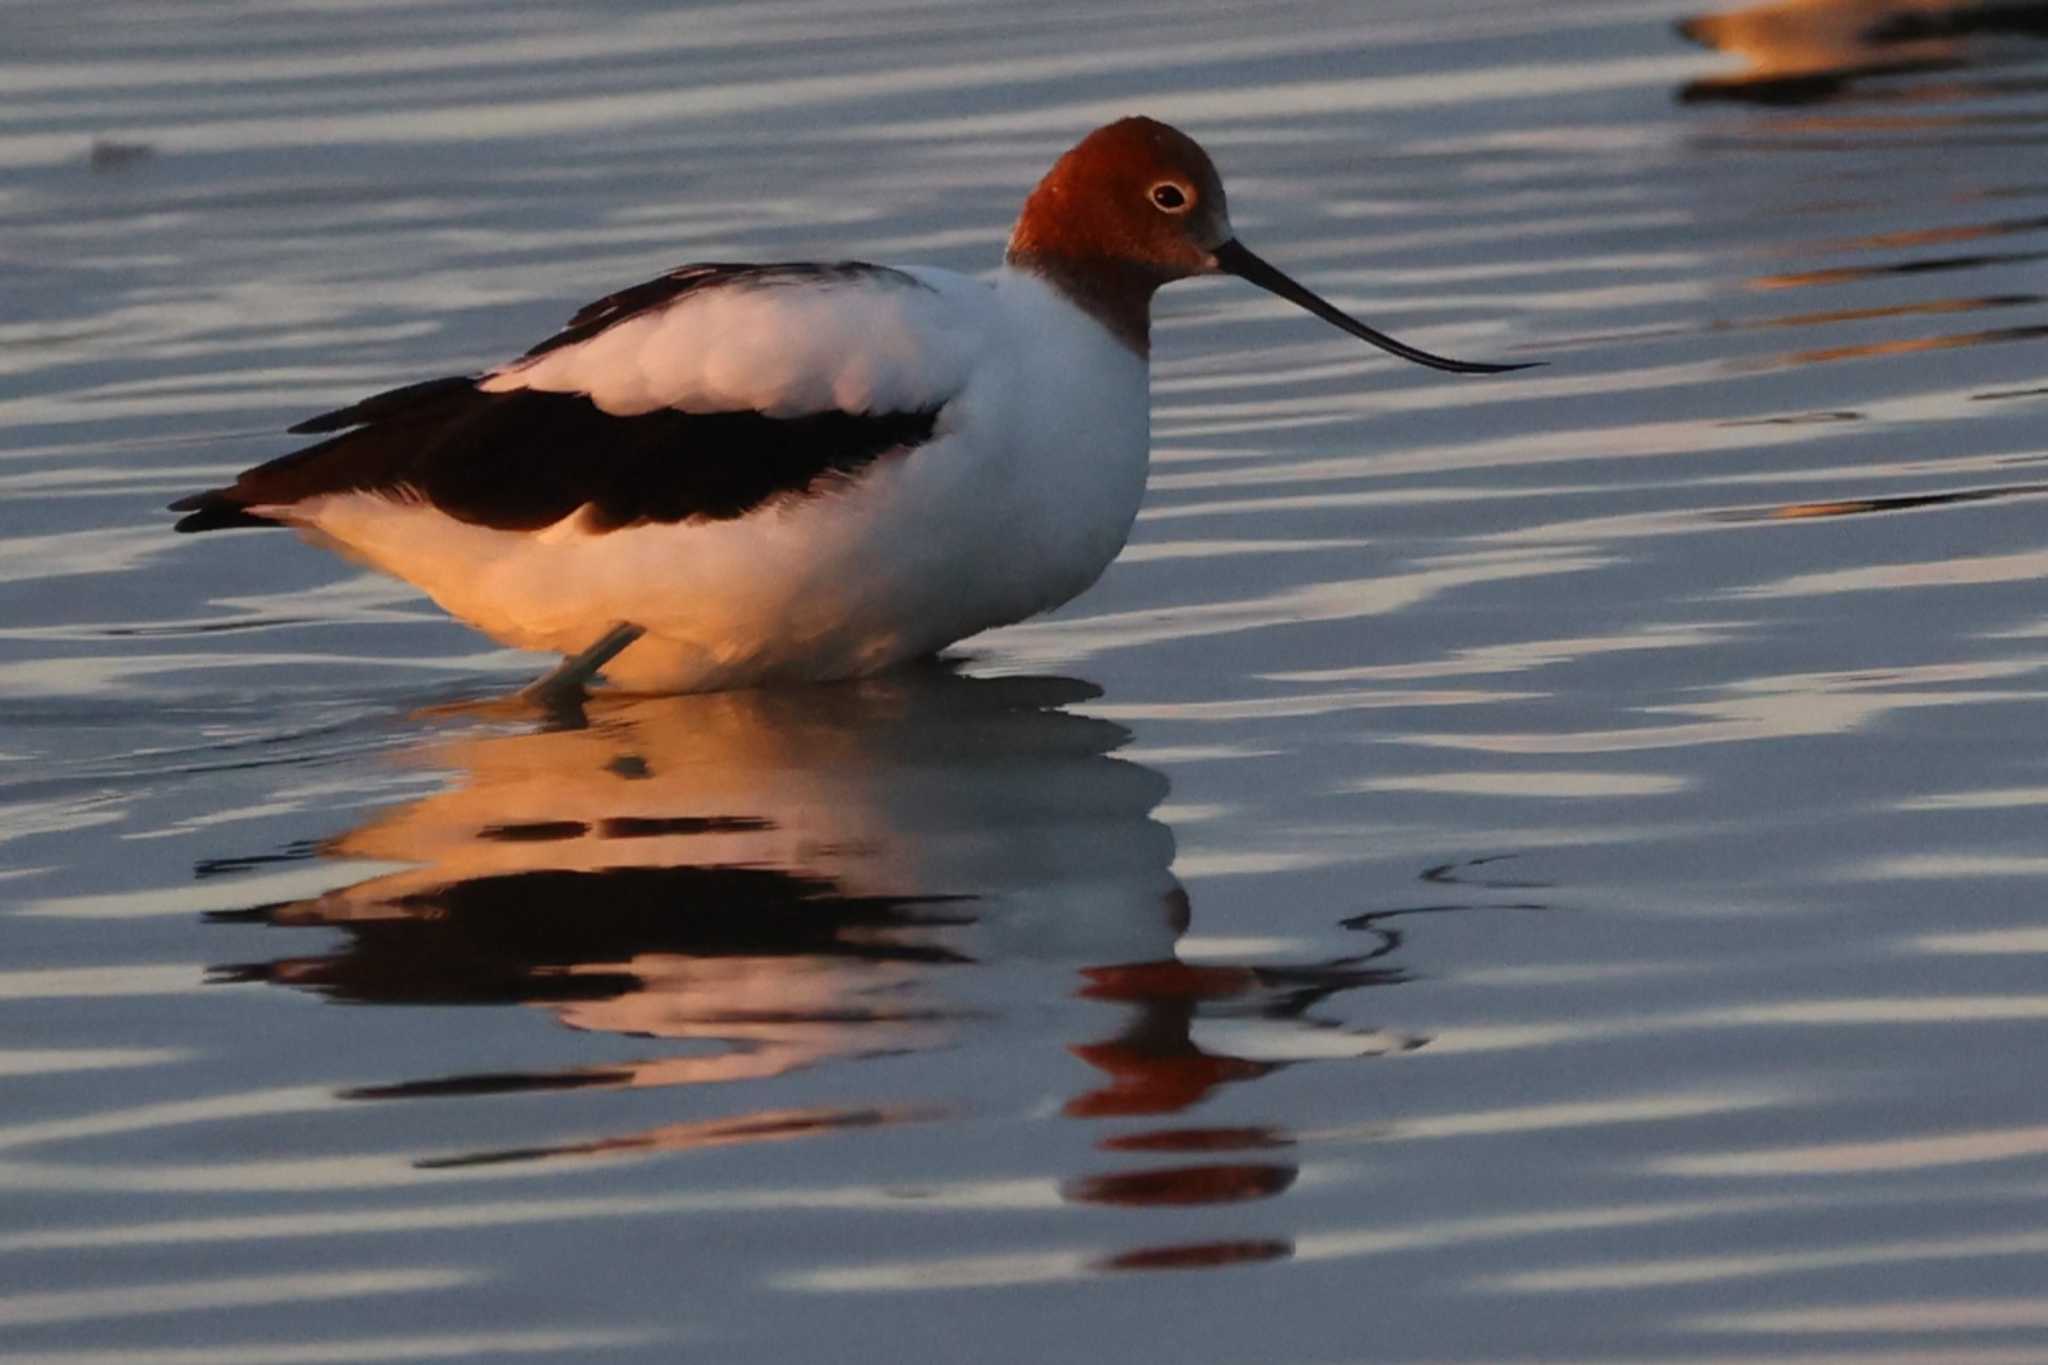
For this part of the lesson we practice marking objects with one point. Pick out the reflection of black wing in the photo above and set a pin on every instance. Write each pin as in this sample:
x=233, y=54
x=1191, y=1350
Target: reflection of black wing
x=530, y=937
x=524, y=459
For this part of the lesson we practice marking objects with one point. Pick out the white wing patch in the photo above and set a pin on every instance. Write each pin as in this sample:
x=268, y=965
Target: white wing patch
x=784, y=349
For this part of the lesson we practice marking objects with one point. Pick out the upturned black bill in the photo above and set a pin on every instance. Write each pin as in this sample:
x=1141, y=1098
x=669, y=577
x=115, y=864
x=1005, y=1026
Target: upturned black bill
x=1233, y=258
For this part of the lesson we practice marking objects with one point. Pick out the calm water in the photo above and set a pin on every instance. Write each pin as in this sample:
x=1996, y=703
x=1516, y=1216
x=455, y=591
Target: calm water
x=1537, y=868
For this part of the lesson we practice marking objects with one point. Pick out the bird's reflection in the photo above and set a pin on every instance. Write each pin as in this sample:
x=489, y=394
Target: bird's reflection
x=1801, y=51
x=781, y=880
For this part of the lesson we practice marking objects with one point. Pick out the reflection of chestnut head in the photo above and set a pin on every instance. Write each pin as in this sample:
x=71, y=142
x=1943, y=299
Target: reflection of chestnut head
x=1220, y=1183
x=1199, y=1255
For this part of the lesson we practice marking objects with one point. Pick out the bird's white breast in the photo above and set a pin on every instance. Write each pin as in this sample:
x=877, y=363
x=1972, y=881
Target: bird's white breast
x=1072, y=407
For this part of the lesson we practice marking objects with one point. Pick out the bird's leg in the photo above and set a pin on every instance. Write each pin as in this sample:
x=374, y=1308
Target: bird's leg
x=565, y=681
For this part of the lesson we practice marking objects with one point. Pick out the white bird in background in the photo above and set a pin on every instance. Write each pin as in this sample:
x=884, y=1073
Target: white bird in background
x=737, y=475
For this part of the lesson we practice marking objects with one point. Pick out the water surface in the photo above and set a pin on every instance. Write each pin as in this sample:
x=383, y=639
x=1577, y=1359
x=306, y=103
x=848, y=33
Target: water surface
x=1532, y=868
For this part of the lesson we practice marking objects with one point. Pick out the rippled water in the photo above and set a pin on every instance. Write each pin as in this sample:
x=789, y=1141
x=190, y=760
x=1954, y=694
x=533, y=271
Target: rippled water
x=1535, y=868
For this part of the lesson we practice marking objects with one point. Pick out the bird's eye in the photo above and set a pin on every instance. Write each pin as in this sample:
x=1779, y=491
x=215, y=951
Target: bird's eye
x=1169, y=196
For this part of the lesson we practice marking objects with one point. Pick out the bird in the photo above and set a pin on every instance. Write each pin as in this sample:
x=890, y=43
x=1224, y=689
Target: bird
x=741, y=475
x=1801, y=50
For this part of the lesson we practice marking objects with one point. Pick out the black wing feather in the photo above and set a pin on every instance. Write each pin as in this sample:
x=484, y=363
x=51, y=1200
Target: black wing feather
x=379, y=407
x=525, y=459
